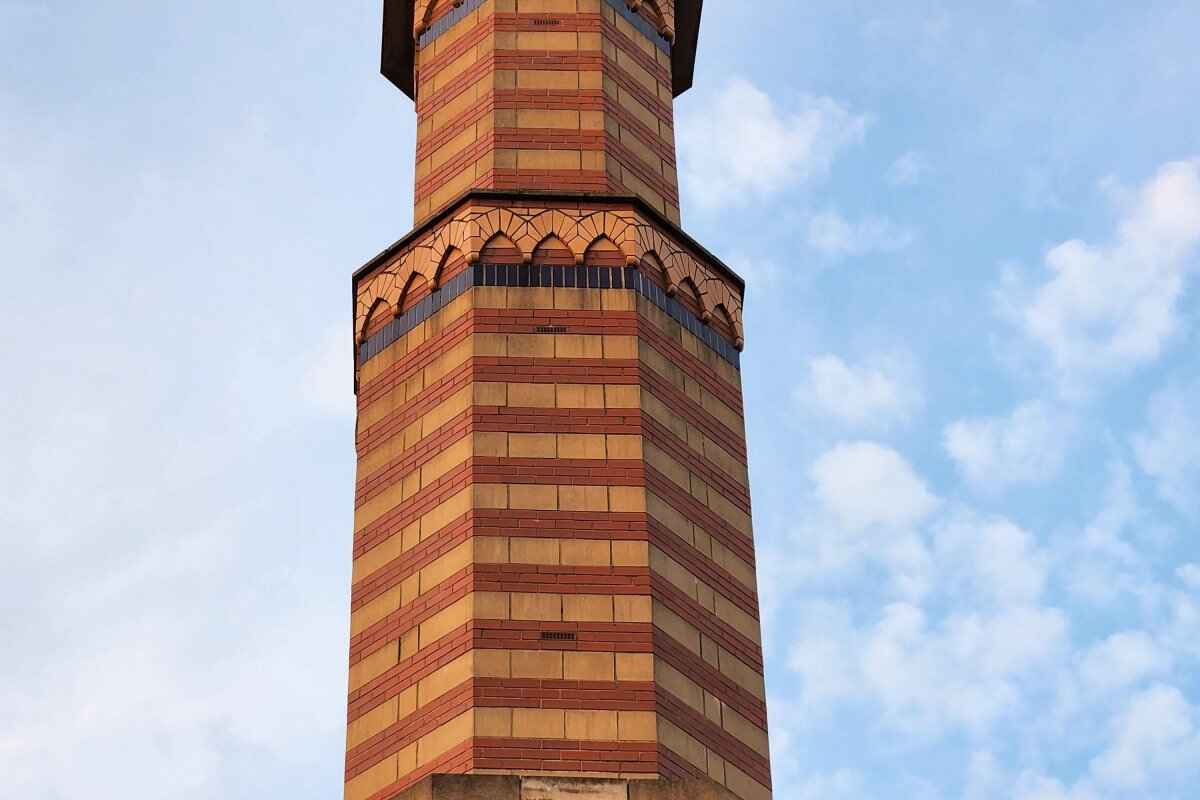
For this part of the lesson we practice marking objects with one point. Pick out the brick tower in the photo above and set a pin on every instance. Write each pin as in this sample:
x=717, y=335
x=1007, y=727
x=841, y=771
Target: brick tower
x=554, y=588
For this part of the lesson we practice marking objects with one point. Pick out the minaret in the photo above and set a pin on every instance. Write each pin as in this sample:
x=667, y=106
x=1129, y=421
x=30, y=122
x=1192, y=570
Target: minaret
x=554, y=590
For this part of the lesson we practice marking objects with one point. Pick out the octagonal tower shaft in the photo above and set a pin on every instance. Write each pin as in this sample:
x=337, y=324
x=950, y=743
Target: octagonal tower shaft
x=554, y=567
x=566, y=95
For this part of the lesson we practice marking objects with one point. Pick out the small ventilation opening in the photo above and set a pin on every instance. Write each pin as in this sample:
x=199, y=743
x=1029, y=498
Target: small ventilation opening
x=557, y=636
x=551, y=329
x=545, y=21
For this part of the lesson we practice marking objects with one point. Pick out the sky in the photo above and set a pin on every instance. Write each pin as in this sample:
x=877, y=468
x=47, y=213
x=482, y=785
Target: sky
x=971, y=237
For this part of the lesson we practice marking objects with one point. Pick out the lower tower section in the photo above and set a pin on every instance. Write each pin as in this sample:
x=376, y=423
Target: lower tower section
x=553, y=557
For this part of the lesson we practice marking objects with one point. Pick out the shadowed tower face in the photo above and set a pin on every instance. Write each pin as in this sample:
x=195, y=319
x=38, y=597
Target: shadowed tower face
x=554, y=585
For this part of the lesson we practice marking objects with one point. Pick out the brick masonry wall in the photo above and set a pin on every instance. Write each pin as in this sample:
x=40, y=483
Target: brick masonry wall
x=547, y=95
x=554, y=568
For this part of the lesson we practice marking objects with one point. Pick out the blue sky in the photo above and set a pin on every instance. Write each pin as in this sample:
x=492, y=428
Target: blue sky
x=971, y=235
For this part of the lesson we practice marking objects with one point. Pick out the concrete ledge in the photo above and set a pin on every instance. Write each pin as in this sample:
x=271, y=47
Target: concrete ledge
x=512, y=787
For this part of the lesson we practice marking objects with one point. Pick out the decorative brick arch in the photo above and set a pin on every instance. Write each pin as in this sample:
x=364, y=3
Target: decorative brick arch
x=578, y=230
x=604, y=251
x=379, y=308
x=438, y=272
x=680, y=265
x=553, y=223
x=663, y=13
x=423, y=14
x=514, y=226
x=386, y=285
x=417, y=284
x=454, y=235
x=617, y=228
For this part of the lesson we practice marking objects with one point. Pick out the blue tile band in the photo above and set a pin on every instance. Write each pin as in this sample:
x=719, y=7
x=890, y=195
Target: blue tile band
x=448, y=21
x=562, y=277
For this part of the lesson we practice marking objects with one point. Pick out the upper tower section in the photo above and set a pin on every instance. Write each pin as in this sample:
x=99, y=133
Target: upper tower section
x=543, y=95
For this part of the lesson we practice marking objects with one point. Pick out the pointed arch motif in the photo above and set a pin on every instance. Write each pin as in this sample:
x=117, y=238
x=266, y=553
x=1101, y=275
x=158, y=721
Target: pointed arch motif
x=689, y=295
x=379, y=315
x=415, y=289
x=557, y=224
x=617, y=227
x=662, y=21
x=448, y=263
x=603, y=252
x=501, y=249
x=385, y=285
x=454, y=235
x=722, y=322
x=552, y=250
x=476, y=228
x=423, y=14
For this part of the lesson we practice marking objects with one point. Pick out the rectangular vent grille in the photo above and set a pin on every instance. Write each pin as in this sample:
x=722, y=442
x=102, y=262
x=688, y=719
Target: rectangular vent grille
x=557, y=636
x=547, y=22
x=551, y=329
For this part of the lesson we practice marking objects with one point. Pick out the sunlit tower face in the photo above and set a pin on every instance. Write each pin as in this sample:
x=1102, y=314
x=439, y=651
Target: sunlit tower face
x=553, y=557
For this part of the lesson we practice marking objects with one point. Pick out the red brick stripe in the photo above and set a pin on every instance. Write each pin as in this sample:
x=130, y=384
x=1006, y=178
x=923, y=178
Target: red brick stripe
x=711, y=678
x=703, y=567
x=524, y=755
x=713, y=524
x=708, y=623
x=500, y=693
x=715, y=738
x=714, y=475
x=456, y=761
x=386, y=631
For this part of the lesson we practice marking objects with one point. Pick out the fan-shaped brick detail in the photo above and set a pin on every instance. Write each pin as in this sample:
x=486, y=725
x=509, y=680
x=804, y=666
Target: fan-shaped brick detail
x=662, y=12
x=469, y=230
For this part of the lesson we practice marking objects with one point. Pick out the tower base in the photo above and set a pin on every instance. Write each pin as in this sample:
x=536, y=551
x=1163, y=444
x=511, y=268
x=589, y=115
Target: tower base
x=513, y=787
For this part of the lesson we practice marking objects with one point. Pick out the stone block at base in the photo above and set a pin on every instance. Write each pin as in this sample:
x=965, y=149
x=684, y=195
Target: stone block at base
x=512, y=787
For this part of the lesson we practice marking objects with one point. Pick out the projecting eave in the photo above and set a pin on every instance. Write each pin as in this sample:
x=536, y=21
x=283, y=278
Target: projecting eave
x=399, y=47
x=687, y=39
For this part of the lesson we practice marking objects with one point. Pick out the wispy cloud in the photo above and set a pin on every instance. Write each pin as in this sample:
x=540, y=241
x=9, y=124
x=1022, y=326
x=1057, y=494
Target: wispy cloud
x=743, y=145
x=908, y=170
x=878, y=393
x=1110, y=307
x=1026, y=446
x=1168, y=449
x=833, y=235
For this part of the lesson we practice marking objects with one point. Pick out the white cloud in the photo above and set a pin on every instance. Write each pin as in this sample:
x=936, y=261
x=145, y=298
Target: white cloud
x=1102, y=564
x=741, y=145
x=967, y=634
x=989, y=559
x=864, y=484
x=927, y=672
x=875, y=395
x=908, y=169
x=966, y=670
x=1035, y=786
x=1169, y=449
x=822, y=651
x=1155, y=734
x=1113, y=306
x=843, y=784
x=1190, y=574
x=833, y=235
x=1122, y=659
x=1028, y=446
